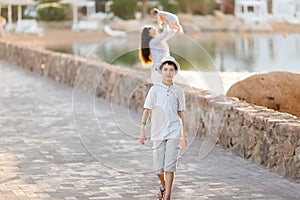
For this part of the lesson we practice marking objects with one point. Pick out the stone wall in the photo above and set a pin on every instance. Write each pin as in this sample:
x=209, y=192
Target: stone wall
x=261, y=135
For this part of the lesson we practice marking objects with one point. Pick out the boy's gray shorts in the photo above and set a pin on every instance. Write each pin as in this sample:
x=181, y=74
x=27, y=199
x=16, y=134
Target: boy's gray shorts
x=165, y=155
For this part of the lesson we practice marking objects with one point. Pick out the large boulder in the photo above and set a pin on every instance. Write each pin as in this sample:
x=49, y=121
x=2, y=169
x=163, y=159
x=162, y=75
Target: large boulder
x=276, y=90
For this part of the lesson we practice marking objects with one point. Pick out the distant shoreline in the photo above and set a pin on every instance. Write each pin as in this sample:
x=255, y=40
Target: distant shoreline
x=59, y=33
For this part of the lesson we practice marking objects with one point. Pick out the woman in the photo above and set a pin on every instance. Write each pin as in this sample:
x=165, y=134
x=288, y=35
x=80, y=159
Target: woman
x=153, y=48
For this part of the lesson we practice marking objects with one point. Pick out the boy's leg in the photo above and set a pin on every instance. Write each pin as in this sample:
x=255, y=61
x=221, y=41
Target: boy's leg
x=162, y=189
x=169, y=185
x=161, y=177
x=171, y=157
x=159, y=147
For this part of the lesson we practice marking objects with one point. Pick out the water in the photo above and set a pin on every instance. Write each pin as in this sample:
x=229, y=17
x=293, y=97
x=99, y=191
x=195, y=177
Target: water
x=237, y=55
x=228, y=52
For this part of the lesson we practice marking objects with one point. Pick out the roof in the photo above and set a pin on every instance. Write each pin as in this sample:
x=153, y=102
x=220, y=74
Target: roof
x=17, y=2
x=78, y=2
x=251, y=3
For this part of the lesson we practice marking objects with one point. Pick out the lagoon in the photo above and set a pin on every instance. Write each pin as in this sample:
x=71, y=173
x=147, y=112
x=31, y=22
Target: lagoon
x=237, y=55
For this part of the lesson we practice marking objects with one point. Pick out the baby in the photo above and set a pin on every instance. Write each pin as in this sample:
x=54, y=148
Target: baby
x=167, y=18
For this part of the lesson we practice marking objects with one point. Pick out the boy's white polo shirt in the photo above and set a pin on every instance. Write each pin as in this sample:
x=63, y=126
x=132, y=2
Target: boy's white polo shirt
x=164, y=102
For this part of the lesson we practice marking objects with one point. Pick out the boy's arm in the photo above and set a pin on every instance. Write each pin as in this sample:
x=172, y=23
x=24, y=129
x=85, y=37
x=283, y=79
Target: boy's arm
x=183, y=136
x=145, y=117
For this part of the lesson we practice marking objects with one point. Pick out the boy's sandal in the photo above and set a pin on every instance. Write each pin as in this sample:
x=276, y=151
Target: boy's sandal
x=161, y=193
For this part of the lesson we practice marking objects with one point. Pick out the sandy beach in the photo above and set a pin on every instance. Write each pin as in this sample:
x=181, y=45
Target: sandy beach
x=55, y=36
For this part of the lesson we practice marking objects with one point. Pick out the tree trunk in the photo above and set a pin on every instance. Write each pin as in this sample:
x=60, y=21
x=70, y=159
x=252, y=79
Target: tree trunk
x=223, y=6
x=144, y=9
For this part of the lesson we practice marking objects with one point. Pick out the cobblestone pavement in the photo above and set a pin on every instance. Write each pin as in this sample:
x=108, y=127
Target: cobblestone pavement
x=53, y=146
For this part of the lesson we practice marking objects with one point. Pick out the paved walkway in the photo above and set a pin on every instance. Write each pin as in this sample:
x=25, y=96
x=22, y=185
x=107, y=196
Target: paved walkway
x=56, y=143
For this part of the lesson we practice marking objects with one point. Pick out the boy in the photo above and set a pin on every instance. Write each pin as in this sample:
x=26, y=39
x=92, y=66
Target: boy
x=167, y=18
x=166, y=104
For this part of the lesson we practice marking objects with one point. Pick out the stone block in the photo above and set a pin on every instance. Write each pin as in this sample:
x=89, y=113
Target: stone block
x=257, y=153
x=249, y=137
x=297, y=154
x=239, y=149
x=265, y=151
x=289, y=149
x=292, y=168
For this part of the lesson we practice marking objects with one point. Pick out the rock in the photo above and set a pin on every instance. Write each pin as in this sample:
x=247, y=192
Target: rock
x=289, y=149
x=275, y=90
x=297, y=153
x=292, y=168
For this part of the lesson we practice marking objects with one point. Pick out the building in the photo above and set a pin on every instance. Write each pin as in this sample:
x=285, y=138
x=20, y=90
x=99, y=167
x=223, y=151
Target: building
x=286, y=10
x=251, y=10
x=266, y=10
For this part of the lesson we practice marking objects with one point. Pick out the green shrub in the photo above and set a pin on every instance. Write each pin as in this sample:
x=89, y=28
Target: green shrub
x=51, y=12
x=100, y=5
x=125, y=9
x=169, y=6
x=202, y=7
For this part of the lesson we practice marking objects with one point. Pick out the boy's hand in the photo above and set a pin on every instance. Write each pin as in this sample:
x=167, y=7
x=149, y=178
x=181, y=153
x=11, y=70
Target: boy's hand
x=143, y=136
x=143, y=139
x=183, y=142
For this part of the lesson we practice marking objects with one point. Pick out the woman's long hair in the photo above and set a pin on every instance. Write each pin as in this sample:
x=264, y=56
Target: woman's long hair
x=144, y=51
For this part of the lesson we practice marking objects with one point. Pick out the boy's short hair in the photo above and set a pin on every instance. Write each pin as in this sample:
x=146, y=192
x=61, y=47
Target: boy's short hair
x=169, y=60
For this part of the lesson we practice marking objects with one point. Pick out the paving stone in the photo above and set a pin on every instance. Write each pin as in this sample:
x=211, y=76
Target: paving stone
x=59, y=143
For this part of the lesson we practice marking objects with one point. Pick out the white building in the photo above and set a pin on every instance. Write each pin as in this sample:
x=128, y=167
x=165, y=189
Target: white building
x=251, y=10
x=90, y=11
x=257, y=10
x=286, y=10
